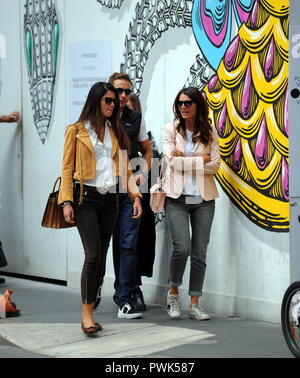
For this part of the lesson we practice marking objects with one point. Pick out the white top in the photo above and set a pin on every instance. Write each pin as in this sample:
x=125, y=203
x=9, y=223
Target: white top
x=104, y=177
x=143, y=135
x=190, y=188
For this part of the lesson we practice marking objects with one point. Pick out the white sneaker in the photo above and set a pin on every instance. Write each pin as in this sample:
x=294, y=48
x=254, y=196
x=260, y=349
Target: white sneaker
x=173, y=308
x=198, y=313
x=128, y=312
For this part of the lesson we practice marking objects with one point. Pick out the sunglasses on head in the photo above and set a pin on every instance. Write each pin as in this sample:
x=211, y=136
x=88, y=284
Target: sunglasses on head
x=109, y=100
x=121, y=90
x=187, y=103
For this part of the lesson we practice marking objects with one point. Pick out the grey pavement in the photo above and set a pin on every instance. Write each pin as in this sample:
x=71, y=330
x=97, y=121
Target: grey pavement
x=49, y=326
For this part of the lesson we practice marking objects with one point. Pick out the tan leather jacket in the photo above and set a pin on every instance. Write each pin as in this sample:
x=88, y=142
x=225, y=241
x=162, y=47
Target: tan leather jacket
x=79, y=146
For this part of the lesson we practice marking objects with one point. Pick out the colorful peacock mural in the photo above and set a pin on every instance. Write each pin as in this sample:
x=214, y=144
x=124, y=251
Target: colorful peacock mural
x=248, y=106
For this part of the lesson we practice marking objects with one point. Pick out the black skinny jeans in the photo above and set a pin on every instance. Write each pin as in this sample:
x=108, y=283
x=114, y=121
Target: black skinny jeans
x=95, y=219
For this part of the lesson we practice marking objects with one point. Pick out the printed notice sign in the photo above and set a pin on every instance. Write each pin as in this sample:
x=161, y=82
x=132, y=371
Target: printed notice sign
x=89, y=62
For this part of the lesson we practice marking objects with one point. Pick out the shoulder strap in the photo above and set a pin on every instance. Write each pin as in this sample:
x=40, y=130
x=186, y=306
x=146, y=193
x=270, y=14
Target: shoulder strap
x=80, y=173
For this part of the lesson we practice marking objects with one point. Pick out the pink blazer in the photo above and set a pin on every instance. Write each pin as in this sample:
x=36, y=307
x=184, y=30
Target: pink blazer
x=179, y=167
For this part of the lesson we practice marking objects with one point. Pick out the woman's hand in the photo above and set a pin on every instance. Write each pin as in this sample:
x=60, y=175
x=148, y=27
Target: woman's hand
x=137, y=208
x=206, y=157
x=69, y=213
x=14, y=116
x=177, y=153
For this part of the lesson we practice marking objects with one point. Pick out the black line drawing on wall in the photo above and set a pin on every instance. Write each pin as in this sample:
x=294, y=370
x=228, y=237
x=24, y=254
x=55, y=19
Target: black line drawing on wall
x=41, y=40
x=111, y=3
x=200, y=73
x=151, y=20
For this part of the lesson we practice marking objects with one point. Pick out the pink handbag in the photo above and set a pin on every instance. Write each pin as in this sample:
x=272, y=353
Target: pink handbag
x=157, y=198
x=157, y=194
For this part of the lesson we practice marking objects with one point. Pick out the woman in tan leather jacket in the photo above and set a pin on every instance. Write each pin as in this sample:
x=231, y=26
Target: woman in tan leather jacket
x=95, y=155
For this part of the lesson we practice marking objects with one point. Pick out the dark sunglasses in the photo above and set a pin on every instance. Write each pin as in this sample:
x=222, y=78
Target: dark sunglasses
x=121, y=90
x=187, y=104
x=109, y=100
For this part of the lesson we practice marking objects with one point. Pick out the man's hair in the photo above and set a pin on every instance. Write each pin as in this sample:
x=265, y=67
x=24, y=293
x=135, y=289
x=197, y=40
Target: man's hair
x=119, y=76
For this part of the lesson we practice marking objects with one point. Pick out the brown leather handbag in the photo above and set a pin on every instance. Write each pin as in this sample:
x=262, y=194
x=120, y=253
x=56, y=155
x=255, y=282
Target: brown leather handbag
x=53, y=214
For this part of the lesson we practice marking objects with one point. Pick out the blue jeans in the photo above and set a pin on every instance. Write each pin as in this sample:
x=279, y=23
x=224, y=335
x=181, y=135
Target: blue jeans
x=181, y=215
x=124, y=250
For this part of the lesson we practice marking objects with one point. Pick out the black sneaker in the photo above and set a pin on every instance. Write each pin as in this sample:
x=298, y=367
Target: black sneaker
x=116, y=298
x=2, y=281
x=98, y=299
x=138, y=300
x=128, y=312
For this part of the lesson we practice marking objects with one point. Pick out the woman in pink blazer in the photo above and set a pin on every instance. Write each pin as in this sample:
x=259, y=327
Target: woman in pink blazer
x=191, y=146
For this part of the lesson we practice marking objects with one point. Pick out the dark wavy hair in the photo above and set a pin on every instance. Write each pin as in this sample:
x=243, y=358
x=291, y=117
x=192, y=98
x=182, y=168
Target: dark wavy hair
x=136, y=103
x=203, y=129
x=92, y=112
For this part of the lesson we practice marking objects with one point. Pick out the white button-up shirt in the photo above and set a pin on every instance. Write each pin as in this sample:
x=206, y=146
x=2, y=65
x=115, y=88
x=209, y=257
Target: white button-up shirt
x=104, y=177
x=190, y=187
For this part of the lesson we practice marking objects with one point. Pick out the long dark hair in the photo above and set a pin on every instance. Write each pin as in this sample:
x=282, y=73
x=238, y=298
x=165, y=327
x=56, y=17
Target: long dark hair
x=136, y=103
x=202, y=130
x=92, y=112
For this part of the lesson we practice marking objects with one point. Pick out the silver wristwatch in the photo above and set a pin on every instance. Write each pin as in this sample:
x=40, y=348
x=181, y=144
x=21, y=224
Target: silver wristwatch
x=66, y=203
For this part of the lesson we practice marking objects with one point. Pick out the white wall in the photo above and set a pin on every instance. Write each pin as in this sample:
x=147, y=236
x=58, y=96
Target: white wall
x=44, y=251
x=11, y=136
x=247, y=267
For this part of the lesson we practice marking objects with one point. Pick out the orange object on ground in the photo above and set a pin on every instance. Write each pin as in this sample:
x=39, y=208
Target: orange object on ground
x=11, y=309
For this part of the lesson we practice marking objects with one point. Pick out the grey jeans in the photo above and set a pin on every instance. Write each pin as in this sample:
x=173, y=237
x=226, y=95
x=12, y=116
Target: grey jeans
x=179, y=216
